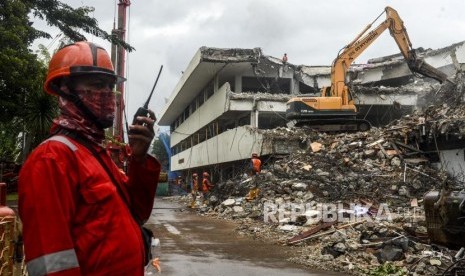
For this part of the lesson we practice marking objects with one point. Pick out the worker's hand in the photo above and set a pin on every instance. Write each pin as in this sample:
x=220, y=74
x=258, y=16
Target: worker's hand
x=141, y=135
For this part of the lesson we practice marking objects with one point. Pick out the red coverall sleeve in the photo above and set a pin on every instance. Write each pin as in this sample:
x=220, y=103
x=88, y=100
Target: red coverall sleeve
x=142, y=186
x=47, y=196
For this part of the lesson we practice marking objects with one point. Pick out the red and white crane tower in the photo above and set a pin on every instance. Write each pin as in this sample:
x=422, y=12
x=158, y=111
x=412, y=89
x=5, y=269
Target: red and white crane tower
x=118, y=57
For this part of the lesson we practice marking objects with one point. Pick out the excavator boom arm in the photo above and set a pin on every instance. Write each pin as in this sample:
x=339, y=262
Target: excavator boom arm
x=350, y=52
x=354, y=49
x=335, y=109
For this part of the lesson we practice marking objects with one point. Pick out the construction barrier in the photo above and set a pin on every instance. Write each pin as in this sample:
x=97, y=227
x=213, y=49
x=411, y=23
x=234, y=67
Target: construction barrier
x=7, y=231
x=162, y=189
x=7, y=226
x=11, y=249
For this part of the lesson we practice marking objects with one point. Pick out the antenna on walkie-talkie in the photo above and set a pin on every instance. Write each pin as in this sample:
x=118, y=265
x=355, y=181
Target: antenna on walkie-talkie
x=143, y=111
x=146, y=105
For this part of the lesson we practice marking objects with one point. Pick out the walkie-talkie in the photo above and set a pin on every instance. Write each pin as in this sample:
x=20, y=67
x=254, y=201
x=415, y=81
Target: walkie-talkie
x=143, y=111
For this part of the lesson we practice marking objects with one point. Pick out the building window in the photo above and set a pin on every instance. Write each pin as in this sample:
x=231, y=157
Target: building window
x=186, y=113
x=307, y=89
x=192, y=107
x=209, y=89
x=244, y=121
x=266, y=84
x=200, y=99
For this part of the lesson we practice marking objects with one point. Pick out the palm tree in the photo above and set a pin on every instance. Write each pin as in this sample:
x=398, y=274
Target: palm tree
x=40, y=109
x=9, y=141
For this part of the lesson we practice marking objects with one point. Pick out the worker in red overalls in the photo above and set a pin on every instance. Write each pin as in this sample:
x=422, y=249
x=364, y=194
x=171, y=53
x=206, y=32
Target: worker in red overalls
x=206, y=186
x=194, y=189
x=80, y=213
x=254, y=171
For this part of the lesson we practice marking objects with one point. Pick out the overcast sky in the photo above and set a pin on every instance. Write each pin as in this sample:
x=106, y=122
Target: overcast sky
x=311, y=32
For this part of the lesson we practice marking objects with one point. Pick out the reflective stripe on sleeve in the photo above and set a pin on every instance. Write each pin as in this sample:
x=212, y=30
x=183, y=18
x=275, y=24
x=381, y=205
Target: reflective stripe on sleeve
x=54, y=262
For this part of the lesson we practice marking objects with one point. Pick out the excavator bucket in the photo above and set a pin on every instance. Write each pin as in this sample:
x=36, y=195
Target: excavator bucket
x=420, y=66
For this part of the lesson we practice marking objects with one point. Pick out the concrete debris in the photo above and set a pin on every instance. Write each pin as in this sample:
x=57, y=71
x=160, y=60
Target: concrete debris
x=209, y=54
x=229, y=202
x=351, y=202
x=316, y=147
x=259, y=96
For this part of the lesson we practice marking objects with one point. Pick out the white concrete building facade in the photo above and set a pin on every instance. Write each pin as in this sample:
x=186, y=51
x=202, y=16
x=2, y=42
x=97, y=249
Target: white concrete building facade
x=225, y=97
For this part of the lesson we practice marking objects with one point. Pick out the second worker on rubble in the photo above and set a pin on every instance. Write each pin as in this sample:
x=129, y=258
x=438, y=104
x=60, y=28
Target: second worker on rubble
x=254, y=171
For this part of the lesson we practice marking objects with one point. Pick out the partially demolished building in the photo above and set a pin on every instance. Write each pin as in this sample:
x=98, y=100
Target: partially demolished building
x=228, y=101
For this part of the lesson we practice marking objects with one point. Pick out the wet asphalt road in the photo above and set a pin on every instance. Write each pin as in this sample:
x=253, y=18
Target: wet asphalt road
x=197, y=245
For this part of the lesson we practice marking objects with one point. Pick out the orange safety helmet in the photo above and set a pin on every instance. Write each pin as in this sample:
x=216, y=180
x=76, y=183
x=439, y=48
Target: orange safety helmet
x=205, y=174
x=254, y=155
x=80, y=58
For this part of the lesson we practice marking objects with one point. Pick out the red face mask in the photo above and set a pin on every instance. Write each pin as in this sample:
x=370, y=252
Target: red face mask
x=101, y=102
x=99, y=98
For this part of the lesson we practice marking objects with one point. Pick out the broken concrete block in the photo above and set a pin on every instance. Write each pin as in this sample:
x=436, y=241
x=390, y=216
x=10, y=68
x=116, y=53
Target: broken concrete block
x=369, y=153
x=316, y=147
x=229, y=202
x=391, y=152
x=299, y=186
x=289, y=228
x=390, y=254
x=307, y=167
x=395, y=161
x=238, y=209
x=403, y=191
x=322, y=173
x=355, y=144
x=435, y=262
x=340, y=247
x=307, y=196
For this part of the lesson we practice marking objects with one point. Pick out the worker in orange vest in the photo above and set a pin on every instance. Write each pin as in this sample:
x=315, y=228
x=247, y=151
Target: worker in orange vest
x=254, y=169
x=206, y=186
x=194, y=188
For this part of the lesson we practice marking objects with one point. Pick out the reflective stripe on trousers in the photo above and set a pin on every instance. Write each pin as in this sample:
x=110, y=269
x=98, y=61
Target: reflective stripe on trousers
x=53, y=262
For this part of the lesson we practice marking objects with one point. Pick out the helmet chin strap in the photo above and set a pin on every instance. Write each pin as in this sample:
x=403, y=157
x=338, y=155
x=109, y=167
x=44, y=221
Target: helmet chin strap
x=72, y=97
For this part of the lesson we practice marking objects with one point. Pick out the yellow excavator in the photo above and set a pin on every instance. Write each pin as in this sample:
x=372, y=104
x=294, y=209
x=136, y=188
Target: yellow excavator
x=334, y=110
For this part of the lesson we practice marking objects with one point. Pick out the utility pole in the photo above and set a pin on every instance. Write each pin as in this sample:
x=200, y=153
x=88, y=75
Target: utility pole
x=118, y=57
x=119, y=151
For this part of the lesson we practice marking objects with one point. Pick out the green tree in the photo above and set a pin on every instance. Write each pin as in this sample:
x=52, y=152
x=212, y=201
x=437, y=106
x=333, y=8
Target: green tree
x=71, y=21
x=24, y=108
x=9, y=141
x=158, y=150
x=20, y=71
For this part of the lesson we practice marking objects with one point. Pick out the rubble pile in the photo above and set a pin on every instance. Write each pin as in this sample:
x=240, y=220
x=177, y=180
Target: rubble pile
x=350, y=202
x=362, y=172
x=447, y=115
